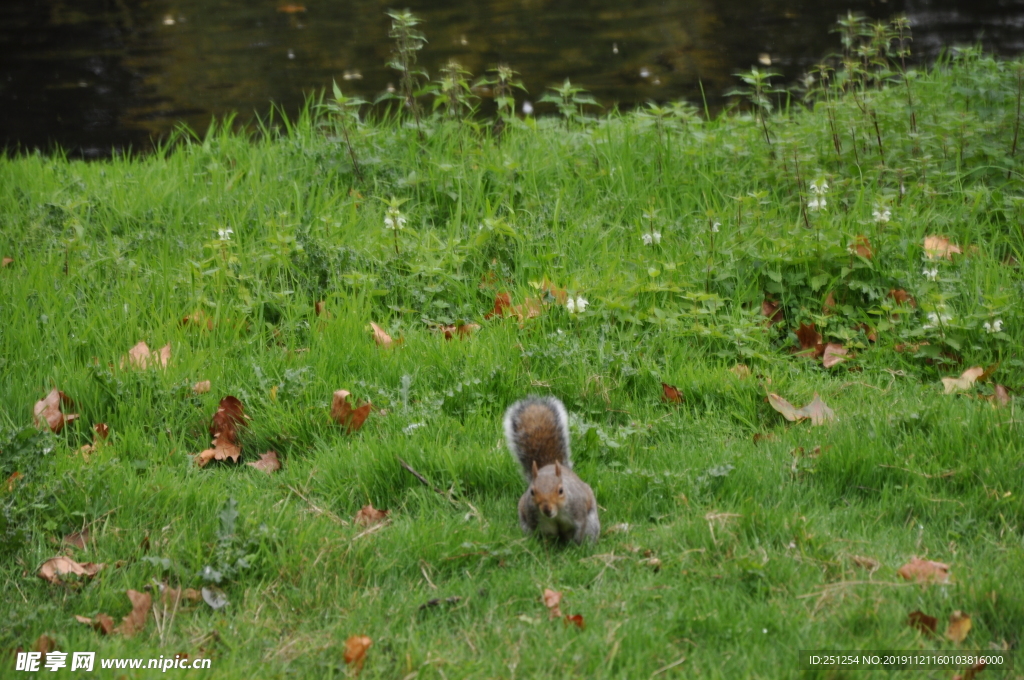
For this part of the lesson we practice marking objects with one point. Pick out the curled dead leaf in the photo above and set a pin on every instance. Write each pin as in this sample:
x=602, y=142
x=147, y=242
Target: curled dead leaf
x=959, y=626
x=177, y=597
x=671, y=394
x=772, y=310
x=102, y=431
x=343, y=413
x=833, y=354
x=502, y=301
x=291, y=9
x=829, y=305
x=369, y=515
x=380, y=337
x=136, y=619
x=869, y=563
x=861, y=246
x=355, y=651
x=198, y=318
x=224, y=429
x=1000, y=397
x=77, y=539
x=922, y=622
x=6, y=262
x=741, y=371
x=939, y=247
x=268, y=462
x=140, y=356
x=924, y=571
x=553, y=600
x=902, y=297
x=48, y=410
x=12, y=481
x=546, y=287
x=810, y=340
x=817, y=411
x=56, y=569
x=530, y=309
x=576, y=620
x=320, y=309
x=201, y=387
x=964, y=382
x=102, y=623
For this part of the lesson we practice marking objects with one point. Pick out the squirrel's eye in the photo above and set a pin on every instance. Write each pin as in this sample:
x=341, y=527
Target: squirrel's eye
x=561, y=491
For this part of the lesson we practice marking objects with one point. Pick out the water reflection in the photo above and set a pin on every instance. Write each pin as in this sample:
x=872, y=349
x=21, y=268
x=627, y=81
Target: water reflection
x=92, y=74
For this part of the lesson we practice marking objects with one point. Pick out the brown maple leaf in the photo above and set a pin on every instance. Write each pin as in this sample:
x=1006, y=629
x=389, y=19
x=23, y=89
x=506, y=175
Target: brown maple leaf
x=355, y=651
x=861, y=246
x=103, y=624
x=229, y=417
x=48, y=410
x=959, y=626
x=938, y=247
x=671, y=394
x=924, y=571
x=56, y=569
x=136, y=619
x=140, y=356
x=922, y=622
x=817, y=411
x=380, y=337
x=772, y=310
x=810, y=340
x=77, y=539
x=369, y=515
x=268, y=462
x=343, y=413
x=833, y=354
x=553, y=601
x=964, y=382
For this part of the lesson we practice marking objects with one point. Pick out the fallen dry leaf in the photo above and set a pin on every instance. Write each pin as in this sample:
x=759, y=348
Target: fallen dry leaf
x=560, y=295
x=910, y=346
x=343, y=413
x=959, y=626
x=1000, y=398
x=553, y=600
x=817, y=411
x=833, y=354
x=972, y=671
x=140, y=356
x=741, y=371
x=902, y=297
x=320, y=309
x=924, y=571
x=369, y=515
x=577, y=620
x=922, y=622
x=861, y=246
x=48, y=410
x=671, y=394
x=12, y=481
x=810, y=340
x=44, y=644
x=462, y=330
x=936, y=247
x=6, y=261
x=530, y=309
x=102, y=432
x=772, y=310
x=355, y=651
x=102, y=623
x=224, y=429
x=965, y=381
x=869, y=332
x=268, y=462
x=201, y=387
x=55, y=568
x=380, y=337
x=198, y=318
x=291, y=9
x=78, y=539
x=502, y=301
x=136, y=619
x=173, y=597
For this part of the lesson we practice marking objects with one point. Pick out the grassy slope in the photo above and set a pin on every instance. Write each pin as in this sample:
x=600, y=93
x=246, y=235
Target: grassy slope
x=107, y=254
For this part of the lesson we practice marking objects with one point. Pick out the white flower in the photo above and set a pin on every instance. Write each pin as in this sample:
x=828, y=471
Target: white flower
x=993, y=327
x=817, y=203
x=936, y=320
x=930, y=274
x=225, y=234
x=394, y=219
x=652, y=237
x=576, y=306
x=881, y=215
x=715, y=226
x=819, y=186
x=527, y=109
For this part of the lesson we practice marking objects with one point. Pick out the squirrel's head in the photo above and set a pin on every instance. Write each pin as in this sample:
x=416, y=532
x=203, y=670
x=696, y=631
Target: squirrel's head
x=547, y=489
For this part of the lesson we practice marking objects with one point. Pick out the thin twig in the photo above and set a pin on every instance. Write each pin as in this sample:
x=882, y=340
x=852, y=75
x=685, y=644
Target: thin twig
x=318, y=510
x=947, y=473
x=423, y=479
x=671, y=665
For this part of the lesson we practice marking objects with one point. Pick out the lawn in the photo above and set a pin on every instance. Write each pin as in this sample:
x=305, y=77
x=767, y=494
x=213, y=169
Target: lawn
x=860, y=241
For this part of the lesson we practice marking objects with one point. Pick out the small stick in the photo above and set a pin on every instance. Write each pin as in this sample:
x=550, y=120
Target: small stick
x=422, y=479
x=318, y=510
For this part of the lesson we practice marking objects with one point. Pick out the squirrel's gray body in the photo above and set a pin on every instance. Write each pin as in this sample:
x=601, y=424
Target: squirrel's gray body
x=557, y=503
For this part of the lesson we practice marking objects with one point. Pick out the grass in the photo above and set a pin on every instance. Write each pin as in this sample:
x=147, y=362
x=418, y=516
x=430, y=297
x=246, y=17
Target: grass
x=758, y=535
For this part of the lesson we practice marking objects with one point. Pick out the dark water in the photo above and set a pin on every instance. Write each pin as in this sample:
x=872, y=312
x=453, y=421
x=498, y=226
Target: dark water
x=92, y=75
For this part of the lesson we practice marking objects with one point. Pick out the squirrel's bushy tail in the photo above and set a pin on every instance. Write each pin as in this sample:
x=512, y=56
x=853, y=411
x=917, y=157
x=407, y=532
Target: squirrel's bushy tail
x=537, y=431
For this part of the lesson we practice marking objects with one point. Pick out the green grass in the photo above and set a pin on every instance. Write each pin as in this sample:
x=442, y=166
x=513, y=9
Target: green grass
x=110, y=253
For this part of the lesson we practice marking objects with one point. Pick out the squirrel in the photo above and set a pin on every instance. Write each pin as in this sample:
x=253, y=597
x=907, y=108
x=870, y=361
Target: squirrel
x=557, y=503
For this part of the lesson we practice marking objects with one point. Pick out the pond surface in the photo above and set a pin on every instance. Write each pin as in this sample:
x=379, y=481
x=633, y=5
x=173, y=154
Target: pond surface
x=96, y=75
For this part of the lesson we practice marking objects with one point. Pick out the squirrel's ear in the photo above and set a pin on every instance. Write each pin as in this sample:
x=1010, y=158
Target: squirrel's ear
x=558, y=469
x=534, y=474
